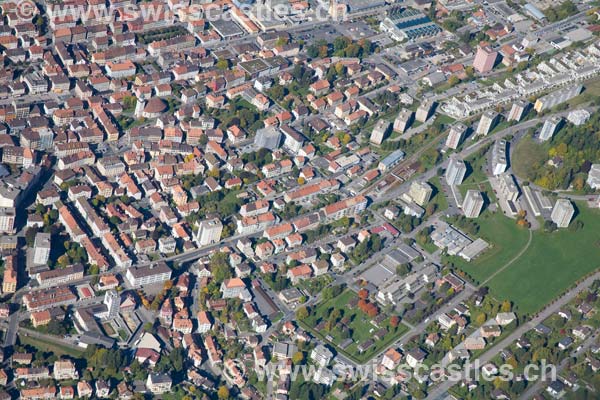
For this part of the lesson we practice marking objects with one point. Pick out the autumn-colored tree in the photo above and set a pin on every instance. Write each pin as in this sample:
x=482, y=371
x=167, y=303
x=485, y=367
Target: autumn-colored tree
x=223, y=393
x=362, y=304
x=363, y=294
x=506, y=306
x=298, y=357
x=394, y=321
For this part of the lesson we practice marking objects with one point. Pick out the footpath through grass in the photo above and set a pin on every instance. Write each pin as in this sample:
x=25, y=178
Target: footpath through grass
x=549, y=266
x=553, y=263
x=506, y=240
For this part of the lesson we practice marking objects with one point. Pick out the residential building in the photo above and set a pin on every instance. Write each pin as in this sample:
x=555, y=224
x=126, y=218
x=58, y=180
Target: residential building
x=456, y=135
x=562, y=213
x=9, y=283
x=499, y=157
x=472, y=204
x=64, y=369
x=518, y=110
x=403, y=121
x=140, y=276
x=485, y=58
x=41, y=248
x=593, y=179
x=158, y=383
x=550, y=128
x=7, y=219
x=578, y=117
x=321, y=355
x=508, y=188
x=455, y=172
x=209, y=232
x=420, y=192
x=557, y=97
x=381, y=129
x=233, y=287
x=487, y=122
x=60, y=276
x=425, y=110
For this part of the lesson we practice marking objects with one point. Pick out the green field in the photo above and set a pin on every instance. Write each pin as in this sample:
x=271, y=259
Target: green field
x=549, y=265
x=527, y=154
x=506, y=238
x=360, y=326
x=439, y=199
x=45, y=345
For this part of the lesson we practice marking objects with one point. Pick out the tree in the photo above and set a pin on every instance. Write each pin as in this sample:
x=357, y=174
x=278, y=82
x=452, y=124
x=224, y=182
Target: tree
x=506, y=306
x=480, y=319
x=223, y=392
x=298, y=357
x=453, y=80
x=222, y=64
x=363, y=294
x=394, y=321
x=301, y=313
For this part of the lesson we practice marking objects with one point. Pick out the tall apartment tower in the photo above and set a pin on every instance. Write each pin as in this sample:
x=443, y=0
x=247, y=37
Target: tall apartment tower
x=455, y=173
x=420, y=192
x=485, y=58
x=425, y=110
x=209, y=232
x=403, y=121
x=487, y=122
x=456, y=135
x=562, y=213
x=551, y=126
x=380, y=131
x=472, y=204
x=518, y=110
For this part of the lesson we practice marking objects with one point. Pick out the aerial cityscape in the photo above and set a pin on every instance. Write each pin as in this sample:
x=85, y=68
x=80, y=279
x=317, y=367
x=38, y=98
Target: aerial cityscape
x=300, y=199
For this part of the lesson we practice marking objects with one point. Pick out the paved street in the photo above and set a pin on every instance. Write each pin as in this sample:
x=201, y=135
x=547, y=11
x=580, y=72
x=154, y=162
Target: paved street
x=439, y=391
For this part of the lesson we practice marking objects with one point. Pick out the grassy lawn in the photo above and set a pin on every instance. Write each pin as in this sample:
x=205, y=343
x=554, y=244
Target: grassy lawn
x=475, y=169
x=439, y=199
x=44, y=345
x=527, y=153
x=506, y=240
x=360, y=327
x=484, y=187
x=552, y=263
